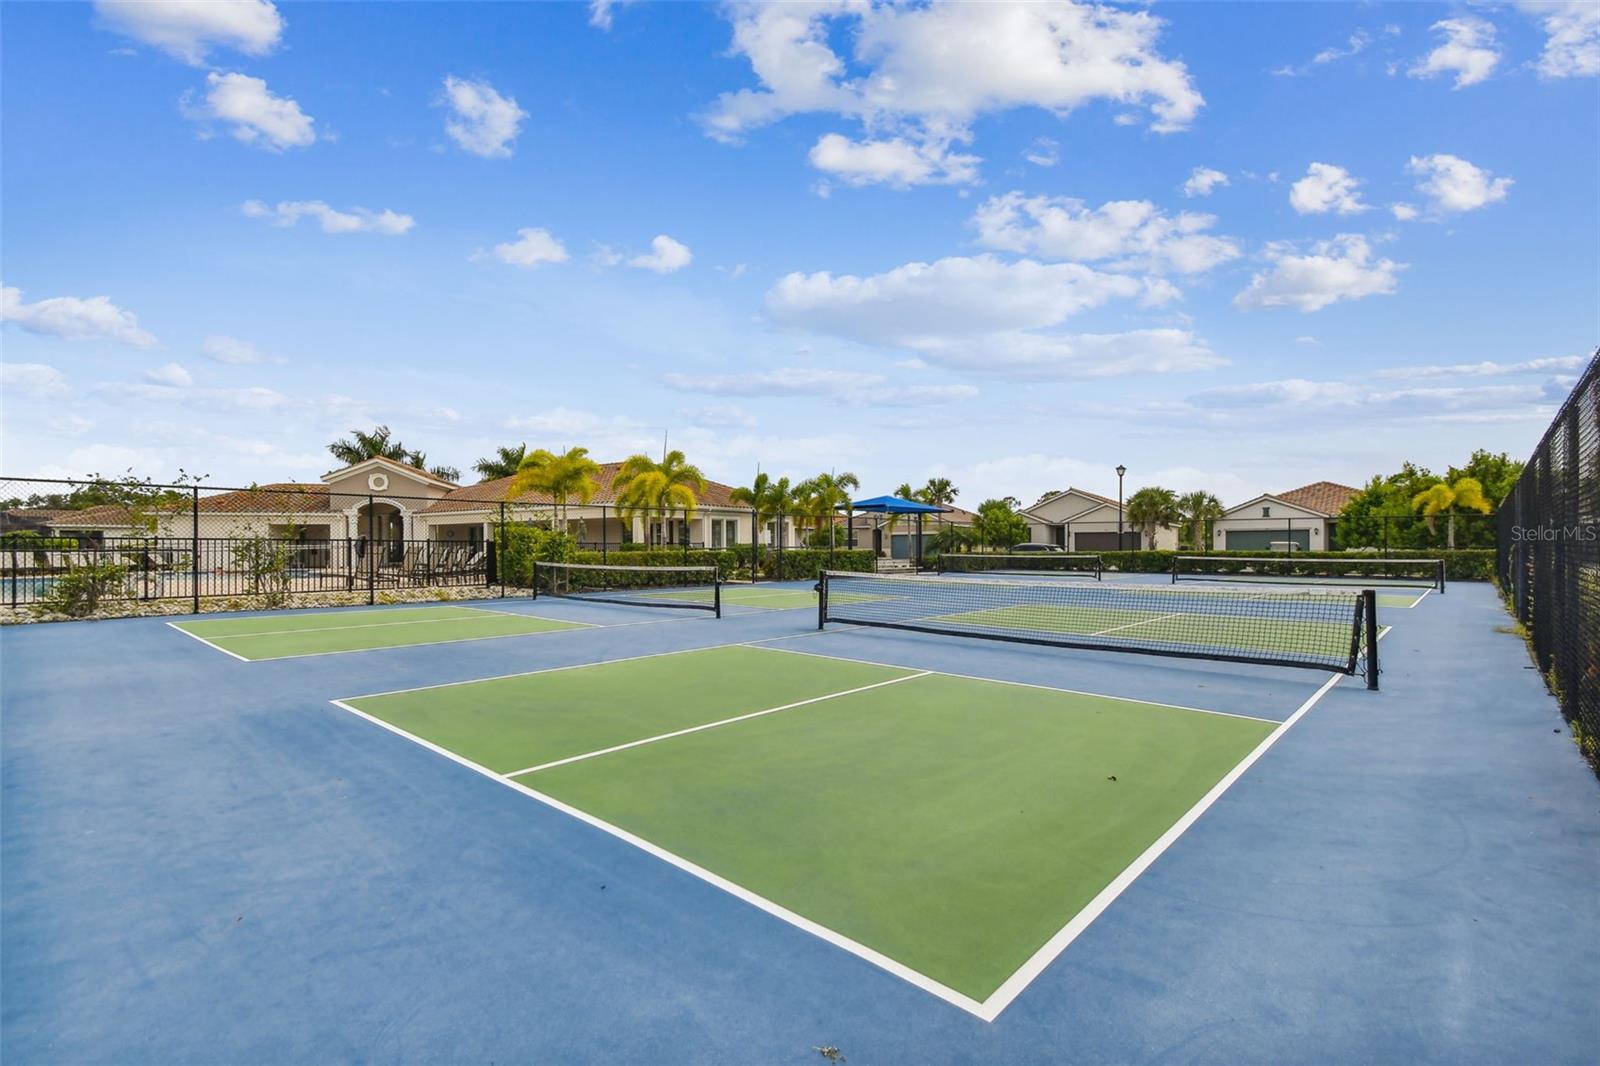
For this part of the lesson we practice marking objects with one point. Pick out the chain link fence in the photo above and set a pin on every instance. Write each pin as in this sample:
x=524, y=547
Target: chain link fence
x=1549, y=557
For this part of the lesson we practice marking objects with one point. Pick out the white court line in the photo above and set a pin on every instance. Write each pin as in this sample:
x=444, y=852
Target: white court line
x=1020, y=684
x=713, y=725
x=557, y=669
x=207, y=643
x=822, y=932
x=989, y=1009
x=1012, y=987
x=1144, y=622
x=381, y=625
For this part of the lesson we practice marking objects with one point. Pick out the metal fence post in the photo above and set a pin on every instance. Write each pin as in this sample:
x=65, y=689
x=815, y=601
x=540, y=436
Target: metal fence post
x=372, y=554
x=194, y=548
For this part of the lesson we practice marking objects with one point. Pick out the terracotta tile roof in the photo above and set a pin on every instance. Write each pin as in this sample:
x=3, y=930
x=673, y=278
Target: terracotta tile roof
x=285, y=497
x=1323, y=497
x=105, y=514
x=485, y=494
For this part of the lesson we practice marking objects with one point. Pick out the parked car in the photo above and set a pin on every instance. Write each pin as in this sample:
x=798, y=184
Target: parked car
x=1038, y=548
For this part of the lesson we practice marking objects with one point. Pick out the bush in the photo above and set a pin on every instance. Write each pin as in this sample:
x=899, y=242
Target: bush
x=519, y=547
x=80, y=591
x=27, y=540
x=266, y=563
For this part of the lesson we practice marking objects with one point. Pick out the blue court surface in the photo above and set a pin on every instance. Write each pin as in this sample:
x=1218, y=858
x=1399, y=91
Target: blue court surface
x=604, y=833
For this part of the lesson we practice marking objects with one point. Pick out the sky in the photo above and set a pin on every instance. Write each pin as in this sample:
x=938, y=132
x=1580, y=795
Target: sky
x=1234, y=247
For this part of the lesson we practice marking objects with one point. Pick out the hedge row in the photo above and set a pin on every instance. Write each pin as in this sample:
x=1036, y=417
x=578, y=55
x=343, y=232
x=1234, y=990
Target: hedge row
x=1461, y=564
x=519, y=546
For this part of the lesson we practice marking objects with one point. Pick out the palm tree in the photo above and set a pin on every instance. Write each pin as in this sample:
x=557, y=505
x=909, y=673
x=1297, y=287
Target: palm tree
x=562, y=477
x=939, y=492
x=905, y=492
x=1199, y=510
x=823, y=495
x=381, y=444
x=1152, y=507
x=646, y=487
x=1448, y=500
x=504, y=463
x=758, y=497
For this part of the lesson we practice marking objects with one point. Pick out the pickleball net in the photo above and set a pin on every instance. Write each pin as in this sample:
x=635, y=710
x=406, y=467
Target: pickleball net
x=1315, y=628
x=1022, y=563
x=1377, y=571
x=696, y=588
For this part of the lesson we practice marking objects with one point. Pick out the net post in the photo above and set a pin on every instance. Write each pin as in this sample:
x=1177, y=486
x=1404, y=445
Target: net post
x=716, y=592
x=194, y=547
x=1369, y=610
x=1174, y=568
x=822, y=599
x=1441, y=576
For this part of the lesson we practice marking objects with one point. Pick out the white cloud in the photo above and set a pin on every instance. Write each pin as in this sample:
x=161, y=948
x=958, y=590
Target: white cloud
x=1300, y=400
x=234, y=352
x=1339, y=269
x=895, y=162
x=720, y=416
x=1468, y=51
x=257, y=116
x=1403, y=212
x=252, y=398
x=188, y=29
x=1031, y=356
x=1043, y=152
x=36, y=381
x=1453, y=184
x=924, y=74
x=1125, y=234
x=482, y=121
x=956, y=295
x=1357, y=43
x=600, y=12
x=532, y=247
x=665, y=257
x=1326, y=188
x=355, y=220
x=1572, y=36
x=74, y=319
x=1488, y=368
x=984, y=314
x=1202, y=180
x=859, y=388
x=171, y=374
x=70, y=425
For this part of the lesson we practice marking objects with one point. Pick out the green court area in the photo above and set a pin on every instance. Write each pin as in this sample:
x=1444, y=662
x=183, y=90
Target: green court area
x=284, y=636
x=952, y=825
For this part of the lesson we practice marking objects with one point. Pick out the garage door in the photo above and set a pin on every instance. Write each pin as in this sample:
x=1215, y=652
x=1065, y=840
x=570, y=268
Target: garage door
x=1265, y=539
x=1104, y=542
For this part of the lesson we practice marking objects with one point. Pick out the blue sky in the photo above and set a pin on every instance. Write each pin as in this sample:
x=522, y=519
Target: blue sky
x=1237, y=247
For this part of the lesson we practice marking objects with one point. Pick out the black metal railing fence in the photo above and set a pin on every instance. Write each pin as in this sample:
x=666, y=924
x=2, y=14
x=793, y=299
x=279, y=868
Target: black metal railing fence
x=1549, y=557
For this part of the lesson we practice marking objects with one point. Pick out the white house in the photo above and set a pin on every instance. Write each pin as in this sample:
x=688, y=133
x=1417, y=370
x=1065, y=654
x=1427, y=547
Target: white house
x=1301, y=519
x=1078, y=520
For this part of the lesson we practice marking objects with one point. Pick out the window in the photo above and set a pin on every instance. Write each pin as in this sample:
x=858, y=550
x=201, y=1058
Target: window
x=716, y=534
x=1266, y=512
x=733, y=532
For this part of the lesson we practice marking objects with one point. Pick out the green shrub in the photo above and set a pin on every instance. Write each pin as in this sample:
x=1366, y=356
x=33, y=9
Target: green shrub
x=81, y=589
x=265, y=562
x=519, y=547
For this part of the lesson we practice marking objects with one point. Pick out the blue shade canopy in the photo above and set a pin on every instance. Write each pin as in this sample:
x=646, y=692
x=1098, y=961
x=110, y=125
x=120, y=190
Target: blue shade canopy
x=895, y=505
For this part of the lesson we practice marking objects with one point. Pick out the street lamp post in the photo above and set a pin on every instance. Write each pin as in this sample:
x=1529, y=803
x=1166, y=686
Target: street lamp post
x=1120, y=471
